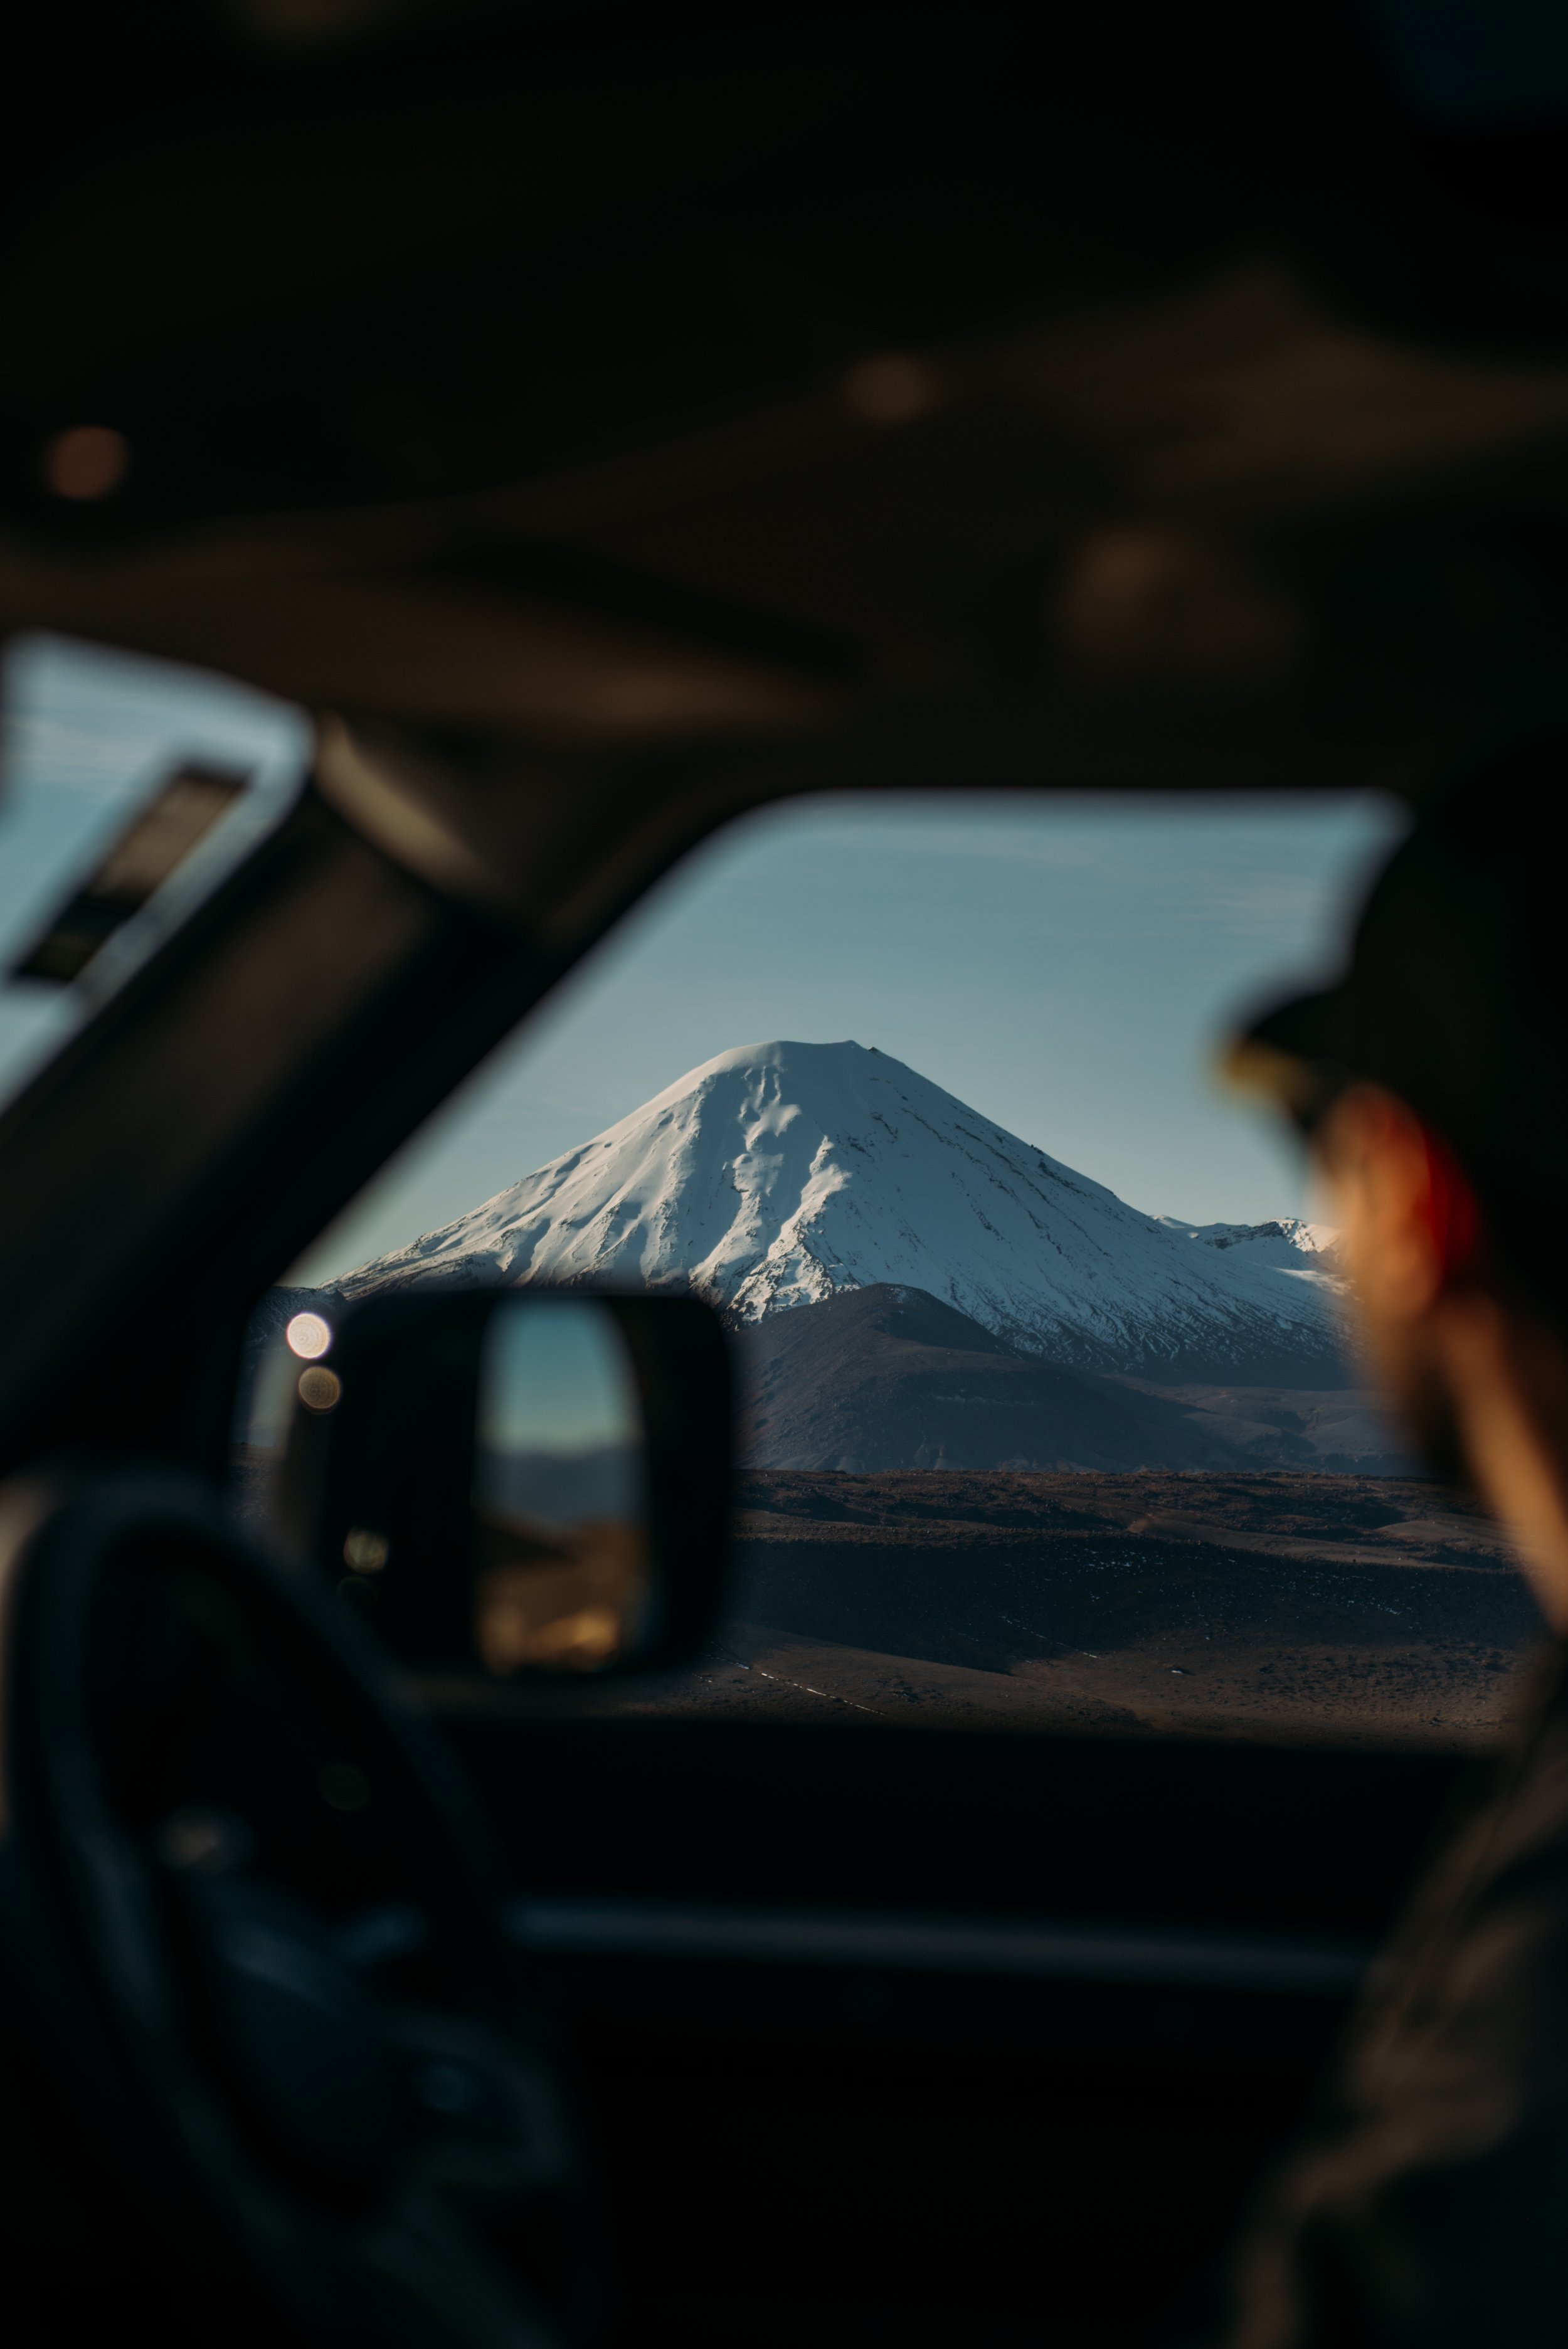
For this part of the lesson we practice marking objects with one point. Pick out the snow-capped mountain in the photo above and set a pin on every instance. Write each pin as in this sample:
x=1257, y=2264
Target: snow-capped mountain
x=780, y=1175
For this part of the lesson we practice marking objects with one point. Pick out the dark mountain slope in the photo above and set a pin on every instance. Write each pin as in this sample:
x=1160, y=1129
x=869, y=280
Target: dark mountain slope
x=890, y=1378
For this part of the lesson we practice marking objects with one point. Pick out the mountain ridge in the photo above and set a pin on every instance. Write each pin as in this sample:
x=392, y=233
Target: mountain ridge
x=779, y=1175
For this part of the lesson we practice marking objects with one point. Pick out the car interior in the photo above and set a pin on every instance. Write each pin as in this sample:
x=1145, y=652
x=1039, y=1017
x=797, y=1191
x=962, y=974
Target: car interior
x=587, y=432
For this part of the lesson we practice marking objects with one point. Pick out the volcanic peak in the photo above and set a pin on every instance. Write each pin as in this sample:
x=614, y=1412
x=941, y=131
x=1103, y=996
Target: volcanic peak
x=779, y=1174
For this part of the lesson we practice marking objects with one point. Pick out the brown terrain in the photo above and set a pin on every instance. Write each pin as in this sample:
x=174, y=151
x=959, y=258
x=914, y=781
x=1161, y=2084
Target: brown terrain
x=1297, y=1605
x=884, y=1377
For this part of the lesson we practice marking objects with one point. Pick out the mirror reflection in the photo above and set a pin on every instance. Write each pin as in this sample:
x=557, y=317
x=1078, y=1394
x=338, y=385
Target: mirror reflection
x=562, y=1570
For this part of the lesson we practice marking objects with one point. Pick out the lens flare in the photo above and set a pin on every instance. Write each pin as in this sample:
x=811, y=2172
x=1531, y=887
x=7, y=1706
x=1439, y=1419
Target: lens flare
x=308, y=1335
x=319, y=1390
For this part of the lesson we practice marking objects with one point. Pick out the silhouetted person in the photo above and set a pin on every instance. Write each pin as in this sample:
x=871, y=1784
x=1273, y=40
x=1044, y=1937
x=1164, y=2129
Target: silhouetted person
x=1428, y=2202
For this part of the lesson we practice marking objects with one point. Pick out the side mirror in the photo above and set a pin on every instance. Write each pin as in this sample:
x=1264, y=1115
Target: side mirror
x=516, y=1482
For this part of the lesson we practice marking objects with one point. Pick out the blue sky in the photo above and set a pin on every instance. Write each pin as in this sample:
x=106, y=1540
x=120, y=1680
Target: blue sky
x=556, y=1378
x=1063, y=965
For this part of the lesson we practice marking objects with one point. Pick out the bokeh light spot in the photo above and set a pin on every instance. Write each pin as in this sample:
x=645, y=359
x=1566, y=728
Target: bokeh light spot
x=319, y=1388
x=89, y=461
x=308, y=1335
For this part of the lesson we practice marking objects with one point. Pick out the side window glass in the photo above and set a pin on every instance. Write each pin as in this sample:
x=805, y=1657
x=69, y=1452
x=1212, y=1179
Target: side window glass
x=128, y=788
x=1049, y=1414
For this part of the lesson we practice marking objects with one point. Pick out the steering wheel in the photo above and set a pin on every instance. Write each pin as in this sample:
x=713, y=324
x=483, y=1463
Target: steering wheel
x=268, y=2065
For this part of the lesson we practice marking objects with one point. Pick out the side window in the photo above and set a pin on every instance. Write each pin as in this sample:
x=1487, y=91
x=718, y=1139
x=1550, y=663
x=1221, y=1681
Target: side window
x=1050, y=1416
x=128, y=788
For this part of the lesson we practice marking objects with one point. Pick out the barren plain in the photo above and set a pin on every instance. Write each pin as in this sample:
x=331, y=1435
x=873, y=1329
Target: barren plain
x=1282, y=1605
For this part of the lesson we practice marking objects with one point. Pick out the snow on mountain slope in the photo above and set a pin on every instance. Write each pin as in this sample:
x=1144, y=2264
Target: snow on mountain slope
x=1287, y=1242
x=779, y=1174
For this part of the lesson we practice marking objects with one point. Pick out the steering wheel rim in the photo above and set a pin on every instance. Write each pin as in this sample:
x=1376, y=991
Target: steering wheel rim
x=252, y=1913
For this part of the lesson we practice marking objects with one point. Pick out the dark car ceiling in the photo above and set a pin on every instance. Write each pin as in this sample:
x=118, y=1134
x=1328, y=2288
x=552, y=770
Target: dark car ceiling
x=628, y=415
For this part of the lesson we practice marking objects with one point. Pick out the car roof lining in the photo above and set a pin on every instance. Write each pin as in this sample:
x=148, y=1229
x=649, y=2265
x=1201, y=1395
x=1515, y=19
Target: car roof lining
x=706, y=409
x=1213, y=538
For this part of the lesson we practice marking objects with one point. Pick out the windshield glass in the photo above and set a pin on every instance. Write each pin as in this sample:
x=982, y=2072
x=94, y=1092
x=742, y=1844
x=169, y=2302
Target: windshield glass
x=128, y=788
x=1048, y=1415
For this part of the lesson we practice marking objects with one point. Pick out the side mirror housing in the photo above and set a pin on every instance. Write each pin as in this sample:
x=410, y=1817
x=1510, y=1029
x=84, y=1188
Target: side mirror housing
x=517, y=1482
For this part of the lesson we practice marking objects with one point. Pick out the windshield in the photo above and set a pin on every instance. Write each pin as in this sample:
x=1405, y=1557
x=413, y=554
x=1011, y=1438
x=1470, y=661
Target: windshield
x=1048, y=1418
